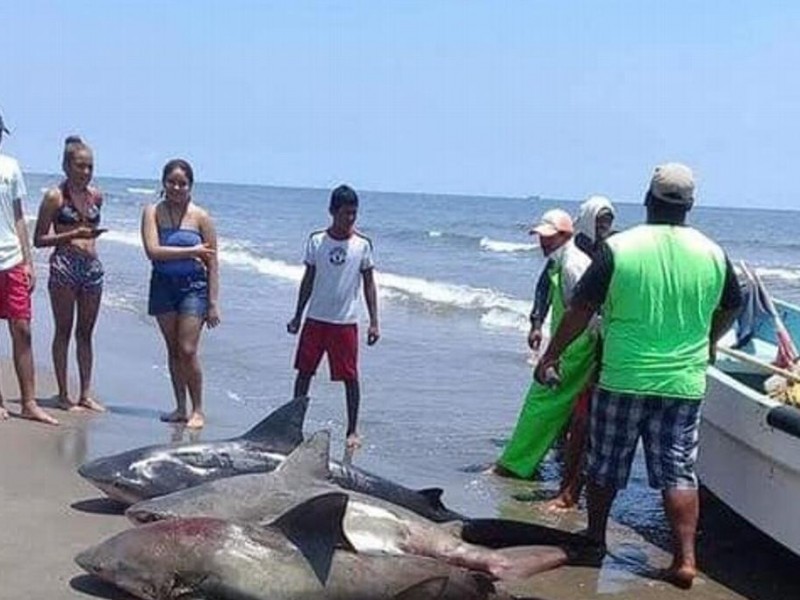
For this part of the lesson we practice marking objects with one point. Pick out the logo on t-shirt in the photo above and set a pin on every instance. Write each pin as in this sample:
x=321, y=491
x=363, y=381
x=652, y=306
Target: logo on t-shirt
x=337, y=256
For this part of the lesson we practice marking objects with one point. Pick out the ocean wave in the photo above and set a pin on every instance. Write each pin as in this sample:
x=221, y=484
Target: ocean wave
x=118, y=301
x=779, y=273
x=141, y=191
x=491, y=245
x=435, y=234
x=436, y=295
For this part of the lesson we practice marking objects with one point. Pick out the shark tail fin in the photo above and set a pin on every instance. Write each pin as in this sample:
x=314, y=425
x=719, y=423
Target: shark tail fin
x=433, y=496
x=315, y=528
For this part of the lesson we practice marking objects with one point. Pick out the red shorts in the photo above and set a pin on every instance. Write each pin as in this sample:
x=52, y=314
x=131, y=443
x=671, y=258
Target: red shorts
x=15, y=295
x=340, y=342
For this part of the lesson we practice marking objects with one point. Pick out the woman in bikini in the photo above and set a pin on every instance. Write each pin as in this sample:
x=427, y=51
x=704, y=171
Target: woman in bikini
x=69, y=219
x=180, y=240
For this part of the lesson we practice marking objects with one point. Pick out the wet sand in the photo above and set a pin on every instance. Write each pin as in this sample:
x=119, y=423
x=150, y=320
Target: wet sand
x=48, y=515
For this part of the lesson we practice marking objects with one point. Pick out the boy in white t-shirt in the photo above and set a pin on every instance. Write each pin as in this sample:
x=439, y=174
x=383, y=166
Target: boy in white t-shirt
x=337, y=260
x=17, y=280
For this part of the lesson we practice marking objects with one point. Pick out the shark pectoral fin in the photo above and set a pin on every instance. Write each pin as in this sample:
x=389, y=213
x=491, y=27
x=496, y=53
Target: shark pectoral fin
x=430, y=589
x=310, y=458
x=315, y=528
x=433, y=496
x=284, y=424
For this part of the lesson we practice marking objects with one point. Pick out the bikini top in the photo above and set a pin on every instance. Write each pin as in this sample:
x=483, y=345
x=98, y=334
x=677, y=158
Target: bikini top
x=68, y=213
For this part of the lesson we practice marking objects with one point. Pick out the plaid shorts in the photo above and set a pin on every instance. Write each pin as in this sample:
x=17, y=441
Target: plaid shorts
x=668, y=428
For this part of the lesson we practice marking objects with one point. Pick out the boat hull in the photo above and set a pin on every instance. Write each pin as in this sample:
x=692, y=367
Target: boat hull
x=749, y=464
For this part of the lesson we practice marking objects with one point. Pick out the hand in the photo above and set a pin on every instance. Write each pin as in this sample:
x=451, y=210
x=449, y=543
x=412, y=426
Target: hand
x=293, y=326
x=84, y=233
x=373, y=335
x=31, y=273
x=540, y=373
x=203, y=251
x=213, y=317
x=535, y=339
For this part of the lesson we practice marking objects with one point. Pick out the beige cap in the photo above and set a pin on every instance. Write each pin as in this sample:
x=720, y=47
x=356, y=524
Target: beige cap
x=673, y=183
x=552, y=222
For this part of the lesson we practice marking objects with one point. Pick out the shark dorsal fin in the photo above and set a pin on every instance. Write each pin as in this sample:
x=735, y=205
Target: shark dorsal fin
x=433, y=497
x=283, y=427
x=430, y=589
x=310, y=458
x=315, y=528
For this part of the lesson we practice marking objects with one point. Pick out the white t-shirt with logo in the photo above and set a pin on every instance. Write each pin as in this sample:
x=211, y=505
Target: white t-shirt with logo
x=337, y=281
x=12, y=187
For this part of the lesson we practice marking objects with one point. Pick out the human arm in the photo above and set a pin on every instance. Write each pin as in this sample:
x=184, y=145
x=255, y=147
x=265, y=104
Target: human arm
x=371, y=297
x=588, y=296
x=155, y=251
x=24, y=242
x=44, y=234
x=306, y=287
x=209, y=233
x=541, y=305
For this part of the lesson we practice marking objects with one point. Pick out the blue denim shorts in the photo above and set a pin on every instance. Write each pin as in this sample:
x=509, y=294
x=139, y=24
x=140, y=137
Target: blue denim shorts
x=182, y=294
x=668, y=429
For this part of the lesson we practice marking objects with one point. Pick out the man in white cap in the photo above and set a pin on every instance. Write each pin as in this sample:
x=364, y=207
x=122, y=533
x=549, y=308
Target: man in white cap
x=667, y=294
x=547, y=408
x=16, y=284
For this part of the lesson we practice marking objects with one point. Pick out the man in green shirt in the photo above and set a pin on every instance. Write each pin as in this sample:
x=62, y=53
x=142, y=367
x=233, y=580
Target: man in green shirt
x=667, y=293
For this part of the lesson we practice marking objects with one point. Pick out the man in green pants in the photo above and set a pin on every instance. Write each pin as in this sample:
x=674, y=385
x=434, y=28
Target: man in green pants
x=547, y=407
x=667, y=294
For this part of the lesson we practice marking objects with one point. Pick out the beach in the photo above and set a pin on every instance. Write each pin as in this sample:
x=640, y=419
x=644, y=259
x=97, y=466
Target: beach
x=442, y=388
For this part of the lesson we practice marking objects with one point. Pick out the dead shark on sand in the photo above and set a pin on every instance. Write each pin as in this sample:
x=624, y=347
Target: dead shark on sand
x=303, y=555
x=154, y=471
x=373, y=525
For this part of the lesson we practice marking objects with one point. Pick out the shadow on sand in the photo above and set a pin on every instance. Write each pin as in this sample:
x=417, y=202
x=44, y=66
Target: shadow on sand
x=92, y=586
x=99, y=506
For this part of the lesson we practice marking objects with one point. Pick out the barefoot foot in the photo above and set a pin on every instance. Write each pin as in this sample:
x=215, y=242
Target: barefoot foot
x=353, y=442
x=681, y=576
x=561, y=503
x=90, y=403
x=3, y=413
x=34, y=412
x=196, y=421
x=64, y=403
x=176, y=416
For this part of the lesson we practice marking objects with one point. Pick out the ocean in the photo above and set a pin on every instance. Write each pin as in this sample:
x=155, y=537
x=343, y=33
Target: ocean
x=442, y=388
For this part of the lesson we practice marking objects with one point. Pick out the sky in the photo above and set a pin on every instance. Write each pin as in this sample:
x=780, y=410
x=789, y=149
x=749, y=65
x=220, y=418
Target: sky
x=554, y=98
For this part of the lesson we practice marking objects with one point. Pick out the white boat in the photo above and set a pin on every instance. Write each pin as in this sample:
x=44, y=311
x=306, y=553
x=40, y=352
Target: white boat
x=749, y=454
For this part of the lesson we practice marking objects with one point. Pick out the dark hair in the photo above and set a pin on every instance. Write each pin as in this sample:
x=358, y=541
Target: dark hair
x=667, y=213
x=178, y=163
x=343, y=195
x=72, y=145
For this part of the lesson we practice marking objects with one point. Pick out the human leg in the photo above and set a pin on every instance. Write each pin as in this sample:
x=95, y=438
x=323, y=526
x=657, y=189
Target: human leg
x=62, y=302
x=614, y=425
x=353, y=398
x=671, y=443
x=308, y=356
x=189, y=328
x=574, y=461
x=168, y=324
x=23, y=364
x=341, y=345
x=88, y=309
